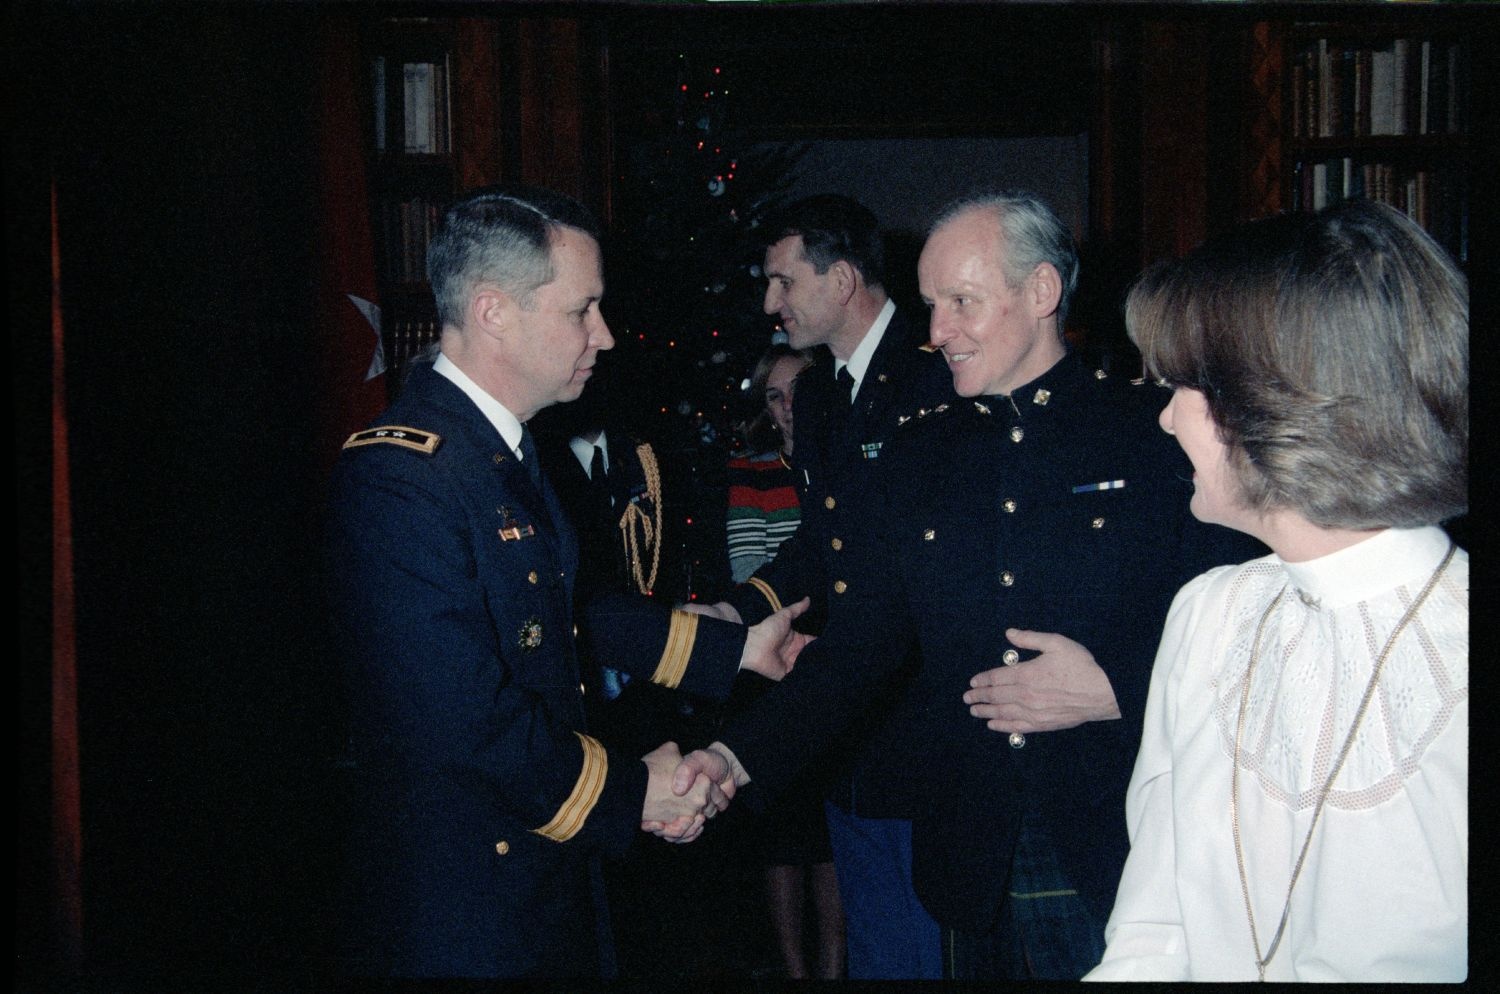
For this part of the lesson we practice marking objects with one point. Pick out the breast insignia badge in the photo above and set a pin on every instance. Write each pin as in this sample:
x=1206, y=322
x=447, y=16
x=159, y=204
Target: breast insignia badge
x=530, y=636
x=510, y=529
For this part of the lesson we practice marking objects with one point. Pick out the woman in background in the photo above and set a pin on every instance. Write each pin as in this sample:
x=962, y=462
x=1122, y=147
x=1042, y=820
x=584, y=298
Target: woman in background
x=763, y=508
x=791, y=838
x=1299, y=806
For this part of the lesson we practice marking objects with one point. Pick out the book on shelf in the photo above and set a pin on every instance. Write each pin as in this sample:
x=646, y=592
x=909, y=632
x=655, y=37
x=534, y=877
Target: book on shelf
x=378, y=81
x=1382, y=91
x=409, y=226
x=426, y=108
x=1403, y=86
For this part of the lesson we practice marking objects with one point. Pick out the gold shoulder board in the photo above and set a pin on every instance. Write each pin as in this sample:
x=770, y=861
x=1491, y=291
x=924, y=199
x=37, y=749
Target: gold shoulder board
x=408, y=438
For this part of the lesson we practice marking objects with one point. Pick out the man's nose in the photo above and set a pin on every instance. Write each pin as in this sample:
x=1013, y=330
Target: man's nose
x=938, y=332
x=601, y=339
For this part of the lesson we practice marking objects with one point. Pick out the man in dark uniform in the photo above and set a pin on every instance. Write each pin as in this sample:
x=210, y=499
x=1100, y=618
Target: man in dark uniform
x=1038, y=528
x=481, y=804
x=824, y=267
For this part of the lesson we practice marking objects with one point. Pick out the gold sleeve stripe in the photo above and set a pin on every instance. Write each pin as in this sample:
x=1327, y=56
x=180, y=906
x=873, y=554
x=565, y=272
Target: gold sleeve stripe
x=765, y=588
x=577, y=808
x=674, y=657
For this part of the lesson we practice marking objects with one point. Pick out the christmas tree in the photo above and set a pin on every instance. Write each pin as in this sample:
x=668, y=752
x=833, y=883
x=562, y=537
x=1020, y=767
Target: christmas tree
x=685, y=295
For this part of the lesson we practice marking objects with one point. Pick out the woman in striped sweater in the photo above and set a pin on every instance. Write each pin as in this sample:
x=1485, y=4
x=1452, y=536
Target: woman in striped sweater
x=762, y=492
x=791, y=838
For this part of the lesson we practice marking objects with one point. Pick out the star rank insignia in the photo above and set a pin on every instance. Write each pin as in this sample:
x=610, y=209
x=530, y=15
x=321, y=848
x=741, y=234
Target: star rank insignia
x=408, y=438
x=530, y=636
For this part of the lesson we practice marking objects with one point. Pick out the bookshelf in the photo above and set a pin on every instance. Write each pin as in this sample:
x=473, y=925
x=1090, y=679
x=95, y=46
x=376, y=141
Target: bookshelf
x=1379, y=111
x=414, y=169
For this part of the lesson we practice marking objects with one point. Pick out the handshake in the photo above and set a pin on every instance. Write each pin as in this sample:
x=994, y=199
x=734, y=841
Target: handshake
x=683, y=792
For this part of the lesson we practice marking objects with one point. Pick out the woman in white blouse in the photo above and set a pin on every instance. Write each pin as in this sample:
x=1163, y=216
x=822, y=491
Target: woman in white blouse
x=1299, y=806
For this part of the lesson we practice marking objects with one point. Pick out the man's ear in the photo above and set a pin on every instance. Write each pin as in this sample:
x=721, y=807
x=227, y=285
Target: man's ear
x=846, y=280
x=1044, y=290
x=491, y=310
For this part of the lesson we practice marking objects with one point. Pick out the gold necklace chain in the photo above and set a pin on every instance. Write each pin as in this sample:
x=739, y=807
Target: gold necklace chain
x=1261, y=962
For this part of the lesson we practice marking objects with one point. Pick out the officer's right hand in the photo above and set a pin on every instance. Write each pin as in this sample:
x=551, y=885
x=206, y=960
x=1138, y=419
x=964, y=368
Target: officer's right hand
x=771, y=647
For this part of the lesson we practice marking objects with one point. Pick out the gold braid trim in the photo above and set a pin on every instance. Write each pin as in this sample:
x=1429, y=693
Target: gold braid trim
x=650, y=531
x=765, y=589
x=580, y=804
x=681, y=635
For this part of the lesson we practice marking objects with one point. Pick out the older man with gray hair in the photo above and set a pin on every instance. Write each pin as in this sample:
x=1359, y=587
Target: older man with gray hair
x=1035, y=532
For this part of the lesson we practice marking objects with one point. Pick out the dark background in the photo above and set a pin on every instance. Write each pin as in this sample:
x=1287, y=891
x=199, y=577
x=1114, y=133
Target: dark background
x=180, y=138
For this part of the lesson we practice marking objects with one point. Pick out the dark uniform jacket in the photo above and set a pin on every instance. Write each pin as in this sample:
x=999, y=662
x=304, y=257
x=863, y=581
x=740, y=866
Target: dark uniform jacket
x=838, y=452
x=480, y=803
x=644, y=715
x=1061, y=508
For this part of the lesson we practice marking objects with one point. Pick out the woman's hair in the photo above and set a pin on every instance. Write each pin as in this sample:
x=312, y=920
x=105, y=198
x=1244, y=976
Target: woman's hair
x=760, y=432
x=1332, y=349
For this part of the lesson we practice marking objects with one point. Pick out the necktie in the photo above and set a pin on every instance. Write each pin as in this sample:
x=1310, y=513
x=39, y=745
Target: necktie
x=845, y=381
x=598, y=477
x=529, y=457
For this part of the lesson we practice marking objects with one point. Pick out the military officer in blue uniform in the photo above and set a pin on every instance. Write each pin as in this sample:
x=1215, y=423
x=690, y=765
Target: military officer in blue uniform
x=481, y=803
x=825, y=272
x=1034, y=534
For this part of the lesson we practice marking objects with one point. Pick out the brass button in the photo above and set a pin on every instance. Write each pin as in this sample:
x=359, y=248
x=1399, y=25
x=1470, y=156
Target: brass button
x=1016, y=434
x=839, y=586
x=532, y=578
x=1010, y=657
x=1009, y=505
x=929, y=535
x=1017, y=740
x=837, y=544
x=1007, y=578
x=1100, y=374
x=1042, y=396
x=829, y=502
x=502, y=847
x=1097, y=523
x=882, y=377
x=500, y=457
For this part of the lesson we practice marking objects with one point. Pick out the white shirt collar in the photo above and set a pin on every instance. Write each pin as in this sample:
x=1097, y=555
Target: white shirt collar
x=494, y=412
x=583, y=451
x=859, y=361
x=1385, y=560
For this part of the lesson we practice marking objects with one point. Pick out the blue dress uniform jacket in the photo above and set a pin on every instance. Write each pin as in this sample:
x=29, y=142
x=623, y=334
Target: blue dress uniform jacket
x=839, y=451
x=480, y=803
x=1061, y=508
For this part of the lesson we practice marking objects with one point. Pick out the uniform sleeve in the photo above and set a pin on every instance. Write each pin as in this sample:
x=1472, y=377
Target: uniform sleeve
x=435, y=691
x=1144, y=937
x=795, y=573
x=864, y=645
x=671, y=648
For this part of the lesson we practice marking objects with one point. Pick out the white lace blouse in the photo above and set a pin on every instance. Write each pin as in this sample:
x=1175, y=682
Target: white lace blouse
x=1382, y=896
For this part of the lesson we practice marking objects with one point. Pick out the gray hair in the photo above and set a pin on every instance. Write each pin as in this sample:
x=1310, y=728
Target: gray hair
x=1032, y=234
x=500, y=235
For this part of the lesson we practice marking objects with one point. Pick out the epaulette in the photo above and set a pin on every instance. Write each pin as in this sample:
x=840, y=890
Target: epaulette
x=922, y=413
x=408, y=438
